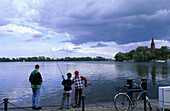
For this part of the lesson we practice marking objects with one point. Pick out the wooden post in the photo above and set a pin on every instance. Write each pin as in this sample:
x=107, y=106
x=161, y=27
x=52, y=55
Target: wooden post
x=130, y=83
x=144, y=83
x=83, y=103
x=144, y=99
x=5, y=104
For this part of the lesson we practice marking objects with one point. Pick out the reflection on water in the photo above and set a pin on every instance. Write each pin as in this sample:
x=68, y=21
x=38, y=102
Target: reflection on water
x=153, y=74
x=104, y=77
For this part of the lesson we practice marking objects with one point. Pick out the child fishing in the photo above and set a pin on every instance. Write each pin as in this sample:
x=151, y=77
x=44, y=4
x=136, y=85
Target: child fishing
x=67, y=91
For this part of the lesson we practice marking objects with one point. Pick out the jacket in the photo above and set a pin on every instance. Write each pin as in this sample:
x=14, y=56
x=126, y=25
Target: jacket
x=67, y=84
x=35, y=79
x=78, y=81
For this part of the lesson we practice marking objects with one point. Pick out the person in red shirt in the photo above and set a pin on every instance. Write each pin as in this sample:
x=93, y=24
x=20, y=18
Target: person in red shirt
x=78, y=83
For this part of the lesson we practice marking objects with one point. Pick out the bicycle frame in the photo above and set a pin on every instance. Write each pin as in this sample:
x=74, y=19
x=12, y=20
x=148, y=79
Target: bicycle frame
x=134, y=90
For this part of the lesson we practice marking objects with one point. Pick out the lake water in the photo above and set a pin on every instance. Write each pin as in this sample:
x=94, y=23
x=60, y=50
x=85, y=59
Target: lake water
x=104, y=77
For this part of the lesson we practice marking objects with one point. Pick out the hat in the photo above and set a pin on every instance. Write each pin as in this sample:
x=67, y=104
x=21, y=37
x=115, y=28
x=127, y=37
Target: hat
x=76, y=72
x=69, y=73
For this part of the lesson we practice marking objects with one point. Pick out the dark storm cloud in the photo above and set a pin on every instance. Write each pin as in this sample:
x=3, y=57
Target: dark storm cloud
x=108, y=20
x=99, y=45
x=37, y=36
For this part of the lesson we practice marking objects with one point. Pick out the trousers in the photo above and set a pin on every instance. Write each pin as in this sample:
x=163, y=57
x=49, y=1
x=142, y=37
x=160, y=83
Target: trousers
x=35, y=97
x=68, y=96
x=78, y=92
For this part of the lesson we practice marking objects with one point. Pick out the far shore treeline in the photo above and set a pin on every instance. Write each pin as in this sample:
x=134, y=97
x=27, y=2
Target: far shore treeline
x=142, y=54
x=48, y=59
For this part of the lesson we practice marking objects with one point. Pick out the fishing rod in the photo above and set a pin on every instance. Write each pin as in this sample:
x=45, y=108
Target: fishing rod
x=57, y=64
x=88, y=84
x=44, y=89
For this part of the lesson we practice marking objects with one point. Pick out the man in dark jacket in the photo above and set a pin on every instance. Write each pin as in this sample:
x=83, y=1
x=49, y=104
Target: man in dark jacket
x=36, y=81
x=67, y=91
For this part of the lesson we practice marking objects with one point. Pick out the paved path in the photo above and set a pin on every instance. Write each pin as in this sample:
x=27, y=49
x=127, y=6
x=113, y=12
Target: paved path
x=90, y=107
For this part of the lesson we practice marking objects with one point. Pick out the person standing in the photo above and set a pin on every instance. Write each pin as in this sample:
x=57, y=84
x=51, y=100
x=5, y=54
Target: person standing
x=78, y=82
x=67, y=91
x=36, y=81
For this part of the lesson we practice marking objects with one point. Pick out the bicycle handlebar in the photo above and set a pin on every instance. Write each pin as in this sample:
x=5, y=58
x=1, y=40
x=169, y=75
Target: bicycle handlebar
x=136, y=85
x=127, y=86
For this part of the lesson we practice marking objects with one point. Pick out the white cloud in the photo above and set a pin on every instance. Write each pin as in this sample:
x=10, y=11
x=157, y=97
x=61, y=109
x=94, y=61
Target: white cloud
x=18, y=31
x=28, y=49
x=71, y=50
x=111, y=49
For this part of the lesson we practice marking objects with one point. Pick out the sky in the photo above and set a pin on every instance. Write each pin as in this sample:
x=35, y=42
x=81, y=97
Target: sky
x=81, y=28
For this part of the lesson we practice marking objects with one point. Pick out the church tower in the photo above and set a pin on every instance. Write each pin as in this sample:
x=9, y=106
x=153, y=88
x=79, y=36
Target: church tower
x=152, y=49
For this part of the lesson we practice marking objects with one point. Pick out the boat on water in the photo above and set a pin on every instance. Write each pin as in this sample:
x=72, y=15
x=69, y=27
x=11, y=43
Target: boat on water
x=161, y=61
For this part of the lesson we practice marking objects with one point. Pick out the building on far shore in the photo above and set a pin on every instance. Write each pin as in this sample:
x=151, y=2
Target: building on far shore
x=152, y=49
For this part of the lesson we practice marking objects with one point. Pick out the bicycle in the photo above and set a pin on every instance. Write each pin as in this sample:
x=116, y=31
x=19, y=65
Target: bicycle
x=123, y=100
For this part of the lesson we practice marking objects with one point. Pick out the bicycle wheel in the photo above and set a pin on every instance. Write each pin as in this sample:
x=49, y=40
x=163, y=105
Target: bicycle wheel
x=149, y=104
x=122, y=102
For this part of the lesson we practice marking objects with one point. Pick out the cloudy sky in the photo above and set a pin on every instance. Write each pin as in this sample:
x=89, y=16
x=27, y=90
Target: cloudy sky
x=79, y=28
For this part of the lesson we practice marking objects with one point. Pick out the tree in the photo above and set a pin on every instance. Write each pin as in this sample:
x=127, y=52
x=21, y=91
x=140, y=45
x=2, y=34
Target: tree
x=139, y=57
x=120, y=57
x=4, y=59
x=148, y=56
x=165, y=51
x=98, y=58
x=13, y=59
x=48, y=59
x=21, y=58
x=131, y=54
x=41, y=58
x=142, y=54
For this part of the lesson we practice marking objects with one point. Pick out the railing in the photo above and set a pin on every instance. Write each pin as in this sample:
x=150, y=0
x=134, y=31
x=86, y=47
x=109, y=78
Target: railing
x=84, y=100
x=6, y=102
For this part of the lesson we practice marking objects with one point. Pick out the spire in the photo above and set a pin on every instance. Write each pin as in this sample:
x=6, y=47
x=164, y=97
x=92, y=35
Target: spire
x=152, y=41
x=152, y=50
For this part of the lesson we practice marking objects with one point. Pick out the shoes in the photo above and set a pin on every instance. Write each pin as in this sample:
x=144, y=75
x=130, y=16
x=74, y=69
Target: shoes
x=33, y=107
x=61, y=108
x=75, y=106
x=68, y=108
x=38, y=108
x=79, y=105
